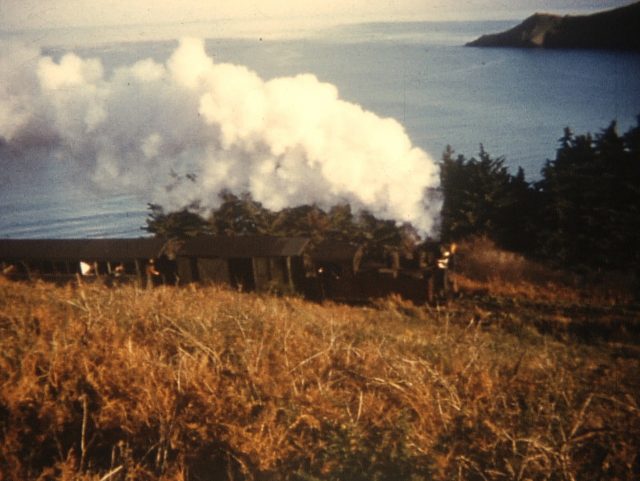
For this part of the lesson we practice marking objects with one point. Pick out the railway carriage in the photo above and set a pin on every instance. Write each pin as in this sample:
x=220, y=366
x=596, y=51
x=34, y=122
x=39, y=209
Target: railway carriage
x=333, y=270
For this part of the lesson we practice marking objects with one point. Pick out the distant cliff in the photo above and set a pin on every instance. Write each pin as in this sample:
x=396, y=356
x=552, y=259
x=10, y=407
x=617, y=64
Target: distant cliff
x=617, y=29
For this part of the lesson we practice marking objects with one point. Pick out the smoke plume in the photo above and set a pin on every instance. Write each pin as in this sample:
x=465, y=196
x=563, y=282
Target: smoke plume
x=288, y=141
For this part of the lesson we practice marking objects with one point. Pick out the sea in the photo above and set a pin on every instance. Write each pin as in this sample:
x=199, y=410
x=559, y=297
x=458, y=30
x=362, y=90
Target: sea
x=514, y=102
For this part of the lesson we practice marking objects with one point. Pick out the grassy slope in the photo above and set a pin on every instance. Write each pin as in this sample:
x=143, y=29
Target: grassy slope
x=204, y=383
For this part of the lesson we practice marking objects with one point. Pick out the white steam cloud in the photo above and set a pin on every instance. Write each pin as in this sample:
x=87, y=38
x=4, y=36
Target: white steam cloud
x=289, y=141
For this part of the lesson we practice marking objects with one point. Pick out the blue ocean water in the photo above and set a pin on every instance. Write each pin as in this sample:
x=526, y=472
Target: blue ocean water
x=514, y=102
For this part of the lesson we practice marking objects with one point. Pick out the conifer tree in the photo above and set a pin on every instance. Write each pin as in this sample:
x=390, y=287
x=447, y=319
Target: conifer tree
x=482, y=198
x=591, y=201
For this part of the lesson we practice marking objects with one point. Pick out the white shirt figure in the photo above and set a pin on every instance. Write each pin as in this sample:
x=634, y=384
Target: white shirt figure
x=85, y=268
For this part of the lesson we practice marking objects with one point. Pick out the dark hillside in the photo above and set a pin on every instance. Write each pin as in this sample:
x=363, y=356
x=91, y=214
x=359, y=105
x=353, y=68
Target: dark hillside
x=617, y=29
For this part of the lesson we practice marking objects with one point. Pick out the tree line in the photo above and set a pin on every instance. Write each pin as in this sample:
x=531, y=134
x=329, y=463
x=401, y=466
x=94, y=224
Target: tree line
x=240, y=215
x=583, y=214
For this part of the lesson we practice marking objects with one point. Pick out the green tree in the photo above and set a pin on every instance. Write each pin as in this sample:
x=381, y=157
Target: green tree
x=339, y=224
x=180, y=224
x=302, y=221
x=591, y=201
x=240, y=215
x=481, y=197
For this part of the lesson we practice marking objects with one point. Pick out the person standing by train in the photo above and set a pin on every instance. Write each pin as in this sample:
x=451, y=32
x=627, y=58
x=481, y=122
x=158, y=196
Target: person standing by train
x=444, y=265
x=153, y=275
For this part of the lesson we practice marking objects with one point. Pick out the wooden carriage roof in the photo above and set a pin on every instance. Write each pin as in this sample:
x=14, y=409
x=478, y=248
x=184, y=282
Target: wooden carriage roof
x=243, y=246
x=147, y=248
x=336, y=251
x=80, y=249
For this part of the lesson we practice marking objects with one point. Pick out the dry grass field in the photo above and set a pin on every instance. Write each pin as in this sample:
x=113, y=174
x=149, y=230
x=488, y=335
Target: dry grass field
x=513, y=380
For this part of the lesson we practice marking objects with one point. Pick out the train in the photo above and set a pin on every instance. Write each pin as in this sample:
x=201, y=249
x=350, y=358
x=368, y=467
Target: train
x=325, y=270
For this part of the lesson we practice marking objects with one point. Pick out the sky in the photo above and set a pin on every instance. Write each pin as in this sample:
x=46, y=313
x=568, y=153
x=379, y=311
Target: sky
x=40, y=14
